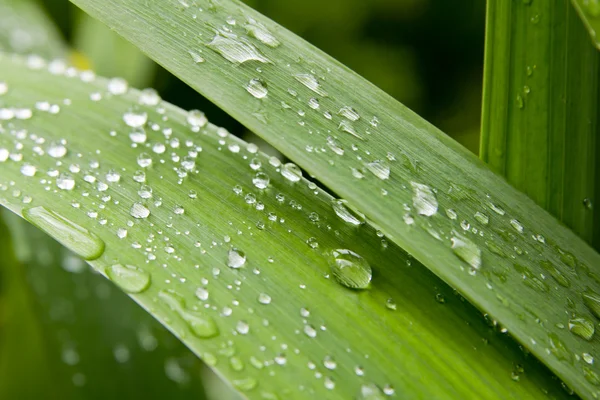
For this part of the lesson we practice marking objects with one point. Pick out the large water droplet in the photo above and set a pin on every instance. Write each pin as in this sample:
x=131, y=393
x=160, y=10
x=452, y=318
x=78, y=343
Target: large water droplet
x=466, y=250
x=582, y=327
x=139, y=211
x=371, y=392
x=350, y=269
x=592, y=301
x=200, y=325
x=311, y=82
x=129, y=278
x=424, y=199
x=380, y=169
x=257, y=88
x=291, y=172
x=342, y=211
x=261, y=180
x=259, y=31
x=234, y=49
x=236, y=258
x=75, y=237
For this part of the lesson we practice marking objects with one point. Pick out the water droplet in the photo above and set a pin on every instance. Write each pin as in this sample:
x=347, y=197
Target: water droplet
x=135, y=119
x=196, y=119
x=149, y=97
x=329, y=363
x=138, y=135
x=139, y=211
x=291, y=172
x=28, y=169
x=350, y=269
x=592, y=302
x=340, y=209
x=236, y=258
x=75, y=237
x=245, y=384
x=558, y=348
x=582, y=327
x=310, y=331
x=424, y=199
x=257, y=88
x=234, y=49
x=129, y=278
x=202, y=294
x=57, y=149
x=197, y=58
x=517, y=225
x=589, y=374
x=380, y=169
x=482, y=218
x=558, y=276
x=259, y=31
x=261, y=180
x=65, y=181
x=3, y=88
x=350, y=113
x=117, y=86
x=242, y=327
x=371, y=392
x=587, y=203
x=466, y=250
x=311, y=82
x=390, y=304
x=264, y=298
x=200, y=325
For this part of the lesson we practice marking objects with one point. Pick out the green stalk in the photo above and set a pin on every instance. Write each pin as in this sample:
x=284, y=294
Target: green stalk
x=540, y=113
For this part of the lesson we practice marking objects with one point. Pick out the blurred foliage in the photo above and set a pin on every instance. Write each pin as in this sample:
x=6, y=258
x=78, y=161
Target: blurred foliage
x=413, y=49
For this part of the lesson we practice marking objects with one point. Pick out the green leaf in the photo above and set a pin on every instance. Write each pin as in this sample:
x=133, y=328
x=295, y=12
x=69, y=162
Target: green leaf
x=241, y=258
x=540, y=115
x=589, y=11
x=378, y=157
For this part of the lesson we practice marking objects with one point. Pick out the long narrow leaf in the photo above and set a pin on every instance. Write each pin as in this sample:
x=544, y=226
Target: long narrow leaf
x=430, y=195
x=589, y=11
x=541, y=99
x=285, y=292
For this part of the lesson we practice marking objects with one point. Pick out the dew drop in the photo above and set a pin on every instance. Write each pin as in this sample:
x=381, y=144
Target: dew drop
x=310, y=331
x=371, y=392
x=592, y=302
x=242, y=327
x=138, y=135
x=57, y=150
x=117, y=86
x=135, y=119
x=466, y=250
x=139, y=211
x=196, y=119
x=257, y=88
x=202, y=294
x=234, y=49
x=28, y=169
x=264, y=298
x=259, y=31
x=582, y=327
x=75, y=237
x=291, y=172
x=245, y=384
x=350, y=113
x=197, y=58
x=65, y=182
x=201, y=326
x=424, y=199
x=342, y=211
x=380, y=169
x=311, y=82
x=129, y=278
x=236, y=258
x=350, y=269
x=261, y=180
x=149, y=97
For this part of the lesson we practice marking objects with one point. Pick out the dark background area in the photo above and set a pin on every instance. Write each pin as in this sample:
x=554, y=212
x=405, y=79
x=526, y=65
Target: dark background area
x=428, y=54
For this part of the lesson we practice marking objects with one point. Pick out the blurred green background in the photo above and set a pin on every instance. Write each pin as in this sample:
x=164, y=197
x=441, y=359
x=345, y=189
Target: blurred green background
x=428, y=54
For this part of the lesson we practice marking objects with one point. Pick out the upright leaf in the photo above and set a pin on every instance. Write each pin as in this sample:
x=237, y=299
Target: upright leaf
x=458, y=218
x=541, y=101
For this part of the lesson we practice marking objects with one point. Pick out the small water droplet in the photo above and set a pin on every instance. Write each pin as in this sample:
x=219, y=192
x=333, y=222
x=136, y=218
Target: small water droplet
x=135, y=118
x=349, y=113
x=196, y=119
x=201, y=326
x=380, y=169
x=466, y=250
x=257, y=88
x=235, y=49
x=264, y=298
x=291, y=172
x=117, y=86
x=65, y=181
x=129, y=278
x=261, y=180
x=57, y=149
x=75, y=237
x=342, y=211
x=196, y=57
x=311, y=82
x=350, y=269
x=592, y=302
x=245, y=384
x=259, y=31
x=582, y=327
x=236, y=258
x=139, y=211
x=371, y=392
x=424, y=199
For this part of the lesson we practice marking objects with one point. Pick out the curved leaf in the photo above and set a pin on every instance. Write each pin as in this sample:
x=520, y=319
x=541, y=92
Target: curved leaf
x=431, y=196
x=237, y=255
